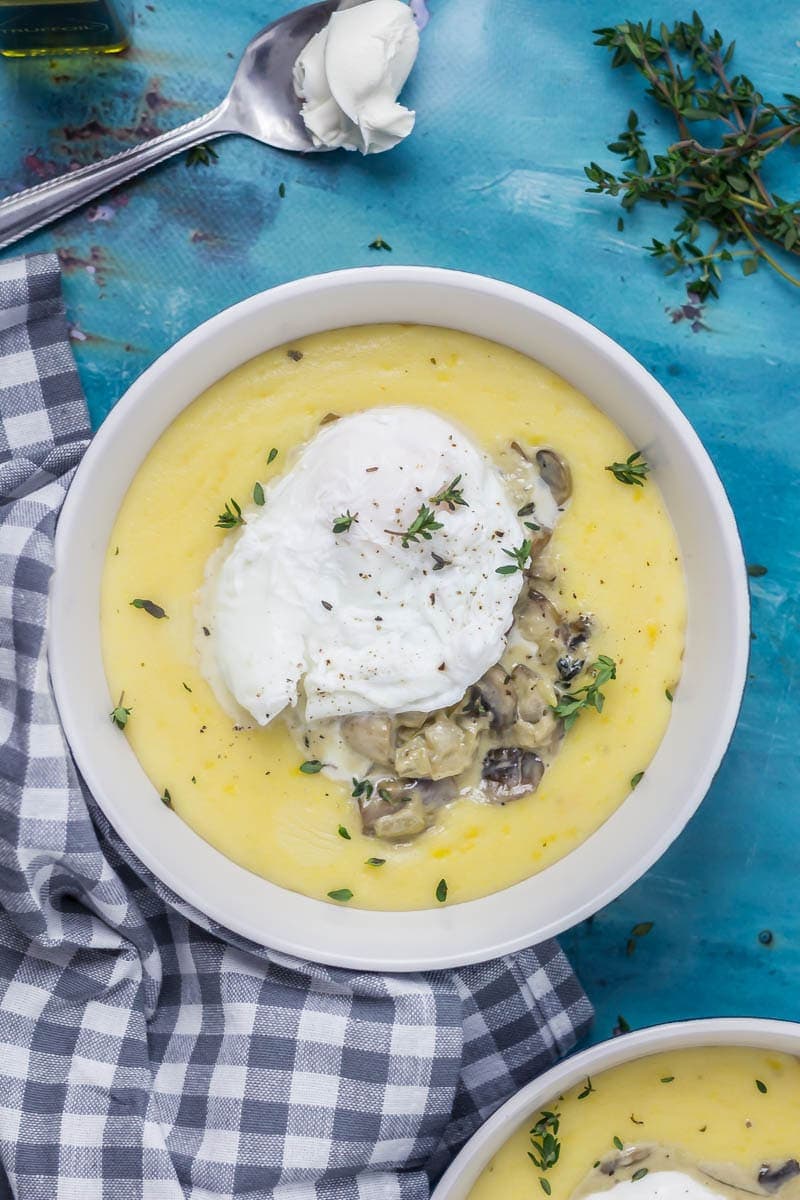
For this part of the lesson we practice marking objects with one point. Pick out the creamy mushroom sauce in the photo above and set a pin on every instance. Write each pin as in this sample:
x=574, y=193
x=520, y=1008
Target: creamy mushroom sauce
x=496, y=743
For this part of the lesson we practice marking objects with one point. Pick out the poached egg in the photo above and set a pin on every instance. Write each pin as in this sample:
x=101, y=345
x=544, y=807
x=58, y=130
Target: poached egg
x=658, y=1185
x=363, y=620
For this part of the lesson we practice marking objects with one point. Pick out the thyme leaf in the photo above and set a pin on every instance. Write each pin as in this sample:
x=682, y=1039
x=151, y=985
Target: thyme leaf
x=451, y=495
x=150, y=607
x=545, y=1148
x=119, y=714
x=520, y=555
x=201, y=155
x=342, y=524
x=441, y=891
x=312, y=766
x=631, y=471
x=231, y=516
x=341, y=894
x=423, y=526
x=572, y=704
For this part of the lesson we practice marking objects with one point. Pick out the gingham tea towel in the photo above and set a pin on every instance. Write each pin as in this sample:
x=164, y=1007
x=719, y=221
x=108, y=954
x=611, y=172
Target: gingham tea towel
x=145, y=1052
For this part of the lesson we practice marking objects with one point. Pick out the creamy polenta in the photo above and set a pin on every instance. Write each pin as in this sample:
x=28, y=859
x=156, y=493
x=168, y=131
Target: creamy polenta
x=613, y=555
x=723, y=1119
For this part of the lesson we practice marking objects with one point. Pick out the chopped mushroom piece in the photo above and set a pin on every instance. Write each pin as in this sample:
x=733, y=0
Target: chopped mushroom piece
x=539, y=620
x=509, y=772
x=575, y=633
x=569, y=667
x=524, y=683
x=496, y=695
x=371, y=734
x=405, y=822
x=441, y=749
x=399, y=809
x=544, y=734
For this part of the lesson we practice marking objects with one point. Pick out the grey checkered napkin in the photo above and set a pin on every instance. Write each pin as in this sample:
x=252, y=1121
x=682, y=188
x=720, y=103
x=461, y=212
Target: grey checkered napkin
x=144, y=1051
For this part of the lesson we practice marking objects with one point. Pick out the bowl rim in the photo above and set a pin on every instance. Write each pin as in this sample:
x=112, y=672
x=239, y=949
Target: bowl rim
x=756, y=1032
x=362, y=938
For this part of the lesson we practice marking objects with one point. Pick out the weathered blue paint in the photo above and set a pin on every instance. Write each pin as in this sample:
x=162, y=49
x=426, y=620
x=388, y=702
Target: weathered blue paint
x=512, y=100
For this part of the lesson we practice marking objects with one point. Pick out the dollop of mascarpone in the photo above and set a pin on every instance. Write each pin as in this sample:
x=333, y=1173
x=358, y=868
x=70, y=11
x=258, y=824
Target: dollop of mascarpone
x=350, y=74
x=355, y=621
x=658, y=1185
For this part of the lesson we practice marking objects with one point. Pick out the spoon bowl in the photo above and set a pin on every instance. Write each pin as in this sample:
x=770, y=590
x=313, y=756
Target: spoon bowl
x=261, y=104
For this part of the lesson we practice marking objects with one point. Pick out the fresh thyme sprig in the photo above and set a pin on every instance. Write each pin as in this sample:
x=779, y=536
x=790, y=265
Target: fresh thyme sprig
x=231, y=516
x=545, y=1145
x=719, y=187
x=342, y=524
x=451, y=495
x=631, y=471
x=362, y=787
x=119, y=714
x=520, y=555
x=572, y=704
x=424, y=526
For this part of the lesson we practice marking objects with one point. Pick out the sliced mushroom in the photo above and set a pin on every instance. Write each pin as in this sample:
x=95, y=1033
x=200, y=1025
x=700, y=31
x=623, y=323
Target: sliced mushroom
x=509, y=772
x=772, y=1178
x=538, y=620
x=524, y=683
x=539, y=539
x=371, y=734
x=555, y=472
x=497, y=696
x=626, y=1158
x=440, y=750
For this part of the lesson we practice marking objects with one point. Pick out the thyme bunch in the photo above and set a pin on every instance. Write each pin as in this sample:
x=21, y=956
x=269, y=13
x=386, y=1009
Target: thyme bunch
x=716, y=181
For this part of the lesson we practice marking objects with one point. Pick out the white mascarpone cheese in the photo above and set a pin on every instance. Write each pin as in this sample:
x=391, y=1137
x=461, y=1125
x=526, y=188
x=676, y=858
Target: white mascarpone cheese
x=350, y=74
x=354, y=620
x=659, y=1185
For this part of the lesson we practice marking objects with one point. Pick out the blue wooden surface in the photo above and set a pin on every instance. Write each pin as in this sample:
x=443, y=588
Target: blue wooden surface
x=512, y=100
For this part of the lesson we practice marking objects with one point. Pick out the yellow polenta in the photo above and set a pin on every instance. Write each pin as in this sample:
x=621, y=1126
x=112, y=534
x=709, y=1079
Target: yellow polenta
x=710, y=1107
x=615, y=554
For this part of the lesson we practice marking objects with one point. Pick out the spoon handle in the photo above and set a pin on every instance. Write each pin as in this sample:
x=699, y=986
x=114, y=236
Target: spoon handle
x=26, y=211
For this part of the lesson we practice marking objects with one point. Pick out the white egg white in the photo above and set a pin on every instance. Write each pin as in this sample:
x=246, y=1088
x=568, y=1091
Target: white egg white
x=356, y=621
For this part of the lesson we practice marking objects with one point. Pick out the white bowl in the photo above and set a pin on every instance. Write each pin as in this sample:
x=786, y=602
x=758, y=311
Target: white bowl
x=705, y=708
x=460, y=1177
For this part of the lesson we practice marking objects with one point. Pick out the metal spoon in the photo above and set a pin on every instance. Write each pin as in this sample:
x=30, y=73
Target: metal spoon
x=261, y=104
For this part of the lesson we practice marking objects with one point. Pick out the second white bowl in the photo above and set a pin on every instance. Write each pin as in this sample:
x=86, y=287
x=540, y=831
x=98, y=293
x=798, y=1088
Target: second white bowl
x=461, y=1176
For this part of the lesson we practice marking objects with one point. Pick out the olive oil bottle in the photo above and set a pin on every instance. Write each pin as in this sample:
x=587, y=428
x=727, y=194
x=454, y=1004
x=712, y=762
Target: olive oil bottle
x=60, y=27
